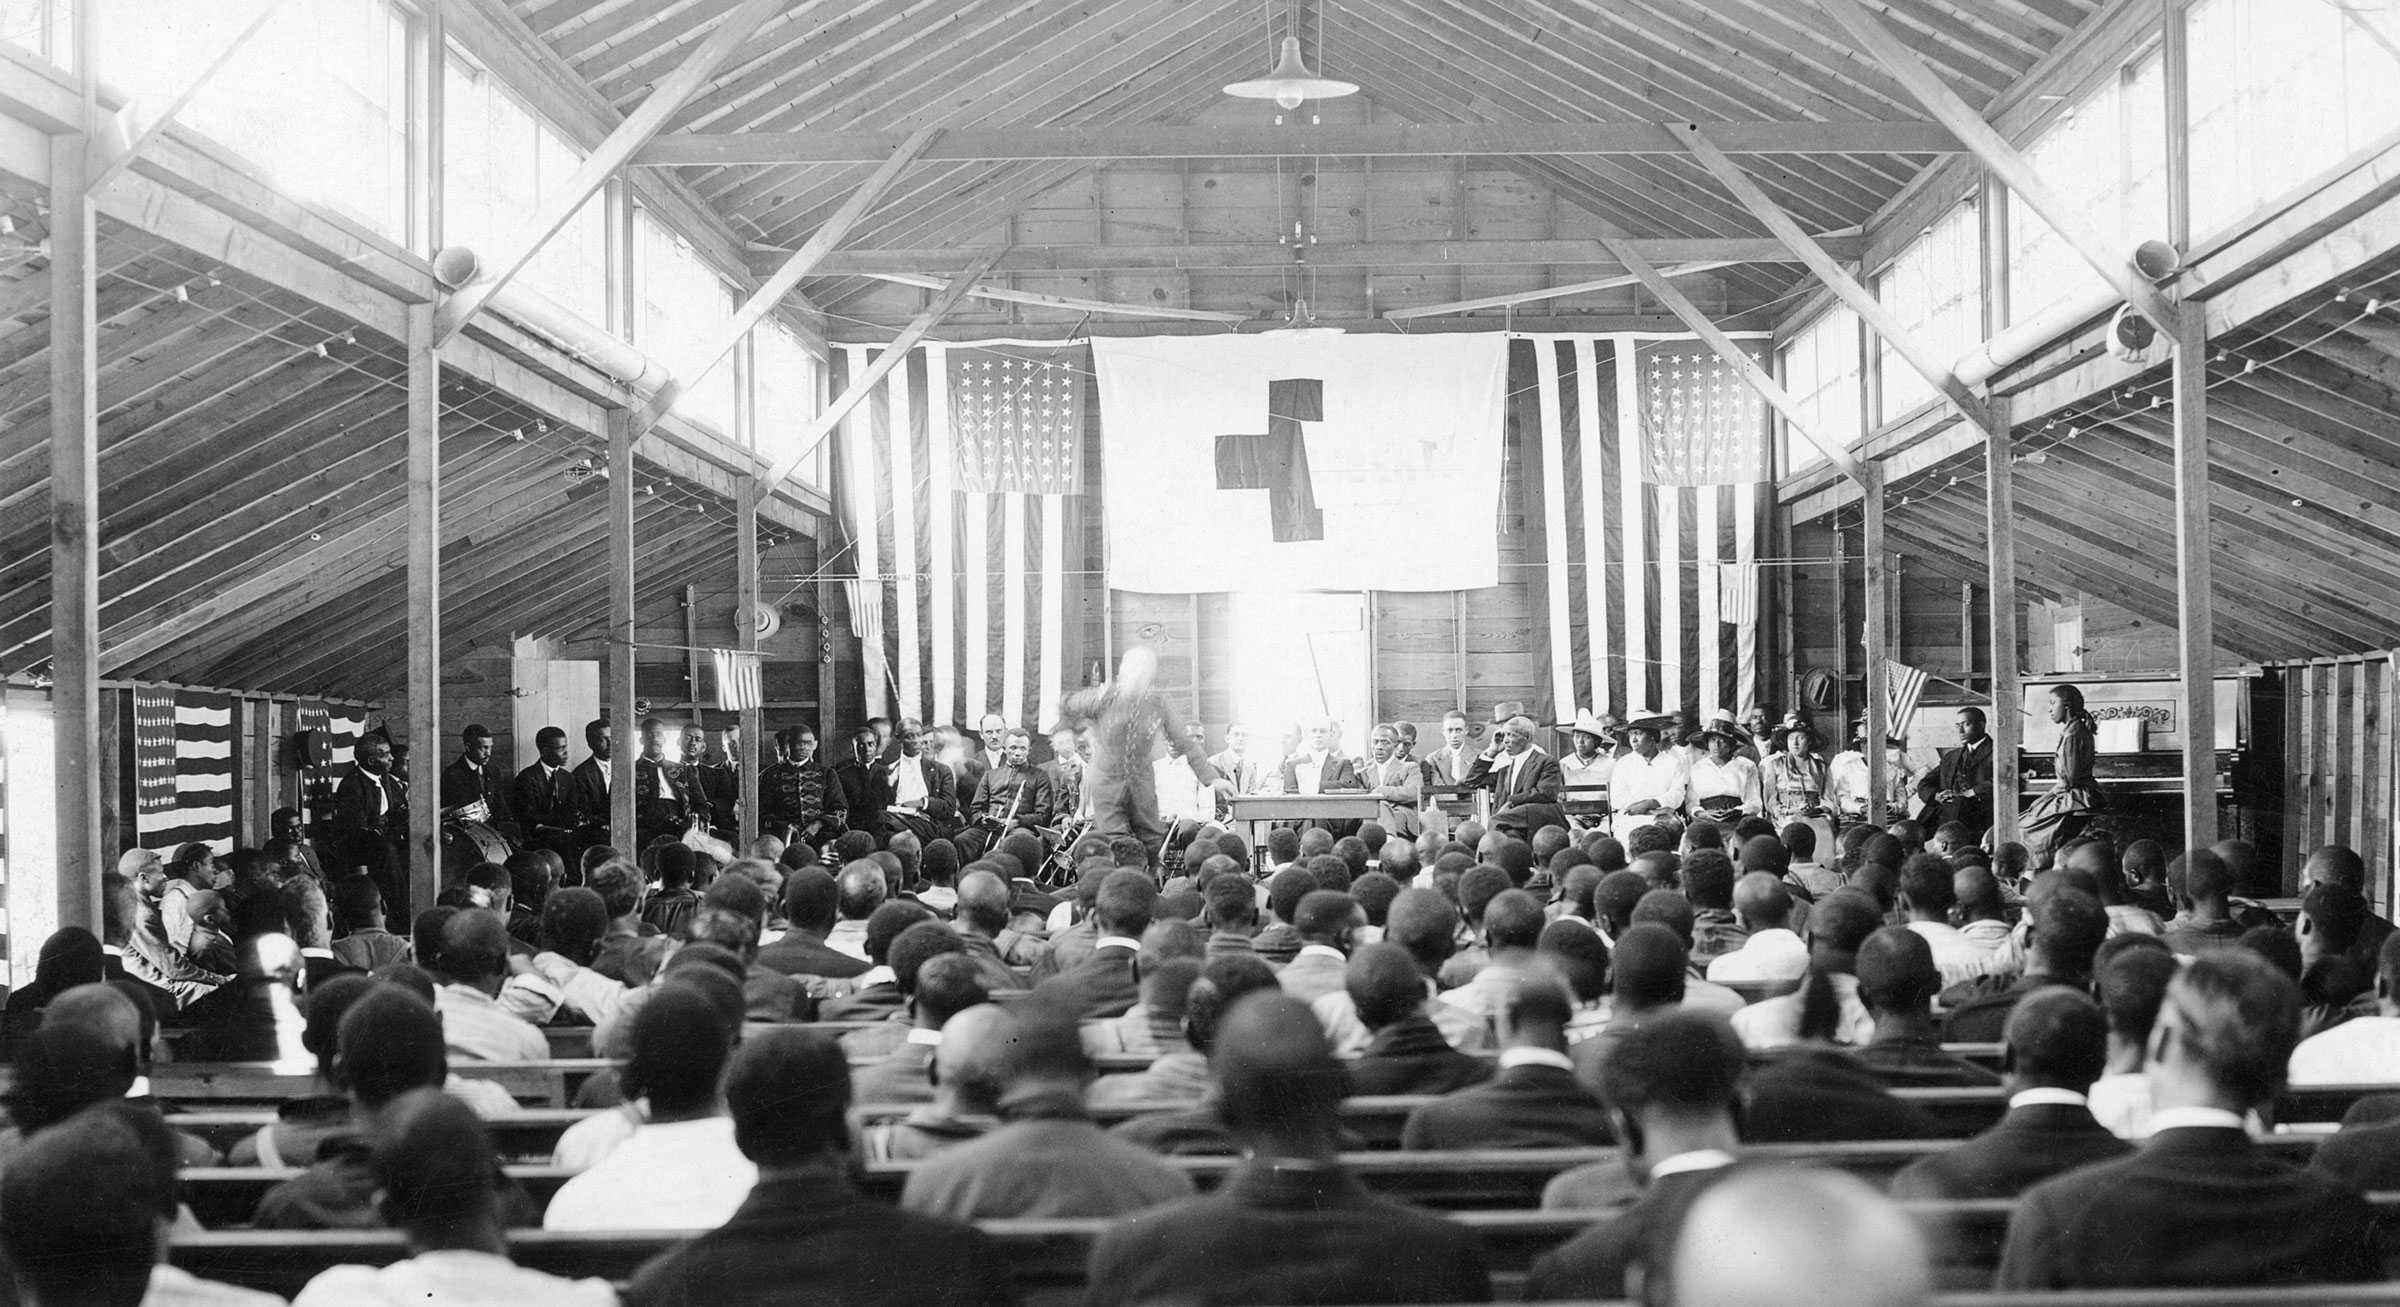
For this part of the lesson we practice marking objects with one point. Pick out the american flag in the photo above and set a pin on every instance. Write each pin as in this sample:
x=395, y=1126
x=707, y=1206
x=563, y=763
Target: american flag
x=959, y=486
x=184, y=773
x=1702, y=425
x=1651, y=592
x=1017, y=417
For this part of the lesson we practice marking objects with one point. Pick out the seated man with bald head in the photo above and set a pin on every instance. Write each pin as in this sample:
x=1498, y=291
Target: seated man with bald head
x=1290, y=1224
x=804, y=1231
x=1772, y=951
x=2200, y=1205
x=966, y=1076
x=1809, y=1238
x=1048, y=1159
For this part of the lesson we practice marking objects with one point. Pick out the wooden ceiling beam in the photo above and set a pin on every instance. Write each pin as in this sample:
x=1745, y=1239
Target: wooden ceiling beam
x=1350, y=140
x=1272, y=257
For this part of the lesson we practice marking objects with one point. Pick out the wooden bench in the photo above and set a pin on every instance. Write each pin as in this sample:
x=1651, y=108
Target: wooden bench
x=1048, y=1257
x=549, y=1083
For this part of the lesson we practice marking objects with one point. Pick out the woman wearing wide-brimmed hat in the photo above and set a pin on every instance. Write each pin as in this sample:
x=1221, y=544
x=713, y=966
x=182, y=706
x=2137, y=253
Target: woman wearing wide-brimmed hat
x=1724, y=785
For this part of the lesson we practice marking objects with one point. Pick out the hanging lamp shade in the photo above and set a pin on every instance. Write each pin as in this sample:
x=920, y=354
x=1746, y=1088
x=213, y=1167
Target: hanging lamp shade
x=1292, y=82
x=1302, y=323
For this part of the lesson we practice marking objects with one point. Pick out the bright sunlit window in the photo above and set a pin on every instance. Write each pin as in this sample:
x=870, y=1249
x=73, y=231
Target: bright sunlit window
x=786, y=386
x=1820, y=369
x=685, y=306
x=1935, y=285
x=503, y=162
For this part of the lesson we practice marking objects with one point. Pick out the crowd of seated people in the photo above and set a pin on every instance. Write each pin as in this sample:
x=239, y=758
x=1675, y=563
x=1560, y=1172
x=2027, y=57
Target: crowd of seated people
x=1658, y=1006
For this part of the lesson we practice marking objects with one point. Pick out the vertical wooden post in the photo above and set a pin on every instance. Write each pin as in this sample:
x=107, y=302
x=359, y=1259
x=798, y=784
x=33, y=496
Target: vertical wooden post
x=2000, y=515
x=75, y=527
x=2175, y=78
x=1966, y=634
x=1874, y=630
x=424, y=609
x=437, y=120
x=627, y=743
x=2196, y=626
x=745, y=621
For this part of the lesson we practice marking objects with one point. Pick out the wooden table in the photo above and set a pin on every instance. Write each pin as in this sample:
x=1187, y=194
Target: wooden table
x=1263, y=810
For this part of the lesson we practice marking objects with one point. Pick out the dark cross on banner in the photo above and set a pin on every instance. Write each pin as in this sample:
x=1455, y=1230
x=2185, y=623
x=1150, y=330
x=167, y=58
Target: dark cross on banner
x=1277, y=462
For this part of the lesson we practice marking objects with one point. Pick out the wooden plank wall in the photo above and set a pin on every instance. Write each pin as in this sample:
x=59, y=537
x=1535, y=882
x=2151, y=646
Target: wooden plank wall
x=2339, y=764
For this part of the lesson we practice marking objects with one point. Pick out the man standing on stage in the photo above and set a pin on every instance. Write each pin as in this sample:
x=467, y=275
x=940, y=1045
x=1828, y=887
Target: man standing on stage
x=370, y=811
x=1127, y=717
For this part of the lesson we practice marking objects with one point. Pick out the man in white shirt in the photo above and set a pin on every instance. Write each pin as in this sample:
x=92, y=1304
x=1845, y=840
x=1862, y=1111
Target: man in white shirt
x=1399, y=782
x=1320, y=768
x=1847, y=784
x=1771, y=952
x=1648, y=784
x=681, y=1170
x=439, y=1184
x=474, y=963
x=2362, y=1050
x=1182, y=796
x=1928, y=890
x=1836, y=928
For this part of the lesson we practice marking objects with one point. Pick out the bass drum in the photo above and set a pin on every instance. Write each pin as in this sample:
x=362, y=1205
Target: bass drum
x=465, y=843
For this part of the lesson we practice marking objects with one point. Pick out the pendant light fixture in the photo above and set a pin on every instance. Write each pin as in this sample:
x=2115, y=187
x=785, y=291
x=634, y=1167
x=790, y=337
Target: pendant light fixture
x=1293, y=82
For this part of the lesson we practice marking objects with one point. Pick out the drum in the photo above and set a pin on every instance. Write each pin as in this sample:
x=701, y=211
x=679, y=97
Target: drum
x=465, y=843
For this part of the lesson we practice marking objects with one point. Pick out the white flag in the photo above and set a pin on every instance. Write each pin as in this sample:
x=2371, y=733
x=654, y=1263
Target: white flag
x=1303, y=463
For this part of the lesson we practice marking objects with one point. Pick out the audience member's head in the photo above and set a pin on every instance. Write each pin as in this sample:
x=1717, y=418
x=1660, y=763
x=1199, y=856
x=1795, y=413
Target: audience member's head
x=1384, y=985
x=89, y=1201
x=788, y=1092
x=2132, y=985
x=2224, y=1034
x=862, y=889
x=1896, y=976
x=389, y=1042
x=1672, y=1082
x=1761, y=902
x=1222, y=983
x=1615, y=898
x=1647, y=969
x=435, y=1172
x=886, y=924
x=1580, y=956
x=1280, y=1088
x=1810, y=1238
x=680, y=1043
x=2056, y=1038
x=1424, y=923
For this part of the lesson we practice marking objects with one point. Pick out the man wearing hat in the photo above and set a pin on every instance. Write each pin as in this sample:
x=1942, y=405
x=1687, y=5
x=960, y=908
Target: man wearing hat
x=1722, y=784
x=1648, y=784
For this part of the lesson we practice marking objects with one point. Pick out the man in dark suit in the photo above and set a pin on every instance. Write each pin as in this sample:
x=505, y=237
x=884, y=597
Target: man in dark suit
x=467, y=780
x=811, y=899
x=924, y=794
x=1290, y=1224
x=1670, y=1084
x=593, y=776
x=1103, y=984
x=2068, y=926
x=370, y=818
x=788, y=1092
x=1960, y=788
x=663, y=802
x=2200, y=1205
x=719, y=782
x=1534, y=1101
x=2057, y=1046
x=544, y=800
x=1406, y=1053
x=290, y=831
x=1524, y=781
x=1011, y=795
x=1321, y=768
x=865, y=783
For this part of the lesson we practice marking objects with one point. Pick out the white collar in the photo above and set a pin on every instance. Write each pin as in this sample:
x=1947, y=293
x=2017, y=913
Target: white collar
x=1117, y=941
x=1699, y=1159
x=2195, y=1118
x=112, y=950
x=2047, y=1098
x=1512, y=1057
x=920, y=1035
x=1321, y=951
x=316, y=953
x=874, y=976
x=140, y=1088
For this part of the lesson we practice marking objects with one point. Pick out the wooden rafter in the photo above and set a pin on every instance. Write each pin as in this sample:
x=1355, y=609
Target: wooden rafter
x=1376, y=140
x=1272, y=256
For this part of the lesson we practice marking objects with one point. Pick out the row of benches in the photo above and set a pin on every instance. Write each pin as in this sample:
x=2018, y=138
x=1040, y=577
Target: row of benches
x=1048, y=1257
x=1496, y=1179
x=1377, y=1120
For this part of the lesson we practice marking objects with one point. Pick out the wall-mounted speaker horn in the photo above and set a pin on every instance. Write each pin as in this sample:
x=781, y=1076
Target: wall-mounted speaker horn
x=2157, y=260
x=2131, y=336
x=455, y=266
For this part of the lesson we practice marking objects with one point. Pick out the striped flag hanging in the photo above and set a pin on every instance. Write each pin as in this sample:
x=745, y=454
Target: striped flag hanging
x=959, y=485
x=1650, y=602
x=1903, y=686
x=184, y=771
x=737, y=679
x=341, y=725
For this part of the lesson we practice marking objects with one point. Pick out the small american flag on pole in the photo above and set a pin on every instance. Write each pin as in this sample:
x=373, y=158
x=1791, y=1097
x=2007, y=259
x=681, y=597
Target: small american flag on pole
x=1702, y=425
x=1017, y=417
